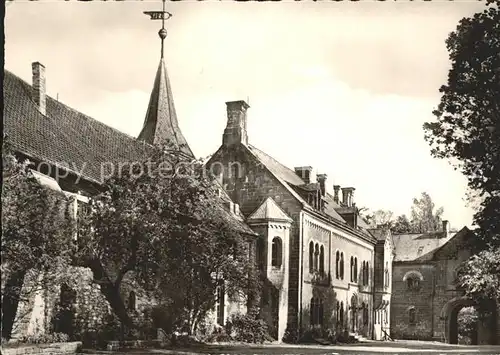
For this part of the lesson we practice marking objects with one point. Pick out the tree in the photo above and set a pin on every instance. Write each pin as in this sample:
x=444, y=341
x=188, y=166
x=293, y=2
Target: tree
x=380, y=218
x=401, y=225
x=423, y=216
x=37, y=231
x=467, y=131
x=480, y=276
x=162, y=223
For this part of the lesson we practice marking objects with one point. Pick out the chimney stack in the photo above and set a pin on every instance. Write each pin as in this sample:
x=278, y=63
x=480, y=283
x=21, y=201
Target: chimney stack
x=348, y=196
x=336, y=189
x=446, y=228
x=322, y=183
x=39, y=94
x=236, y=129
x=304, y=172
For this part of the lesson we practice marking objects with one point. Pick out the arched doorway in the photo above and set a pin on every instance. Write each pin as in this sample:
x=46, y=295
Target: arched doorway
x=354, y=313
x=450, y=315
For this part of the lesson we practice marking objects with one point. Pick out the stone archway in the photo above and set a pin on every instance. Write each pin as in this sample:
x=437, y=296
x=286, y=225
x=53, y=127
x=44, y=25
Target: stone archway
x=449, y=314
x=486, y=332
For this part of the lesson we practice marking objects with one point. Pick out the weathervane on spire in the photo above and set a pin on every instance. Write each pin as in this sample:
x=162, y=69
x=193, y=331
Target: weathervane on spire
x=160, y=15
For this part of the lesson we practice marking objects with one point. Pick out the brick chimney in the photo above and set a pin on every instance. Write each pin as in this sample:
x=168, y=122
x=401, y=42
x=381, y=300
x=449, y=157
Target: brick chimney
x=336, y=189
x=446, y=228
x=236, y=129
x=322, y=183
x=39, y=95
x=305, y=173
x=348, y=196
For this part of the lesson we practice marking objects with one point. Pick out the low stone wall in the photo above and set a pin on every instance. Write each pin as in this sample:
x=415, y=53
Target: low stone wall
x=45, y=349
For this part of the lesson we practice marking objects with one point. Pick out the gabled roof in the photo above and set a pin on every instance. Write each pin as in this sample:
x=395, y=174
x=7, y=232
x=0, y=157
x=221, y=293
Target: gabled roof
x=291, y=181
x=269, y=211
x=284, y=173
x=453, y=244
x=417, y=247
x=160, y=125
x=63, y=137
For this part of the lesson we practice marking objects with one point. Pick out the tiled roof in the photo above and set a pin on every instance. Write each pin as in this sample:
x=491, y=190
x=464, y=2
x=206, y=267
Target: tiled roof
x=379, y=234
x=284, y=173
x=291, y=178
x=64, y=137
x=269, y=211
x=160, y=125
x=417, y=247
x=331, y=206
x=67, y=138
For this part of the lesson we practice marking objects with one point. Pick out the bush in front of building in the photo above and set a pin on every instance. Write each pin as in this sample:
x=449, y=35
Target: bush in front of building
x=248, y=328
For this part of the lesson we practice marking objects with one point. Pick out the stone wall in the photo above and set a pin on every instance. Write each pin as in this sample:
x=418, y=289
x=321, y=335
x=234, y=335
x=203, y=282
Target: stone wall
x=44, y=349
x=42, y=310
x=404, y=299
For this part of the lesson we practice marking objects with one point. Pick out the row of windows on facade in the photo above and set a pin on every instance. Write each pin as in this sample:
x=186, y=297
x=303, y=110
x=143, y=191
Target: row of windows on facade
x=339, y=269
x=317, y=312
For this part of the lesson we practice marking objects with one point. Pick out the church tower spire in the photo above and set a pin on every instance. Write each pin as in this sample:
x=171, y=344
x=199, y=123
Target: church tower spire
x=160, y=125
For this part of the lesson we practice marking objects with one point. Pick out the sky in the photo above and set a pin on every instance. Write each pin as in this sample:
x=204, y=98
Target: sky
x=344, y=87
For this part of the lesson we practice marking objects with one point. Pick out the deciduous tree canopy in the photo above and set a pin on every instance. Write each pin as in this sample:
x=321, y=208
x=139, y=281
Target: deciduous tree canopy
x=467, y=131
x=162, y=222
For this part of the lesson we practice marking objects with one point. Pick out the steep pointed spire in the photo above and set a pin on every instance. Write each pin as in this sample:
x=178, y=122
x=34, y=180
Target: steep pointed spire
x=160, y=125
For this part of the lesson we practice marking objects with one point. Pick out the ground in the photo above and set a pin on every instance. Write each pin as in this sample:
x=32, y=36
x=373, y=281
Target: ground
x=371, y=347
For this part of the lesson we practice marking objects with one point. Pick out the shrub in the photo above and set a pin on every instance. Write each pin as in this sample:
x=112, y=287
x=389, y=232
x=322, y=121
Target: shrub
x=44, y=338
x=248, y=328
x=291, y=336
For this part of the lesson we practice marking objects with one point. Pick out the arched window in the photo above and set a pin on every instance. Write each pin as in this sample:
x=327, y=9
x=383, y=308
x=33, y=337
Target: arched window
x=235, y=171
x=342, y=265
x=385, y=316
x=367, y=273
x=320, y=312
x=276, y=252
x=131, y=301
x=337, y=265
x=352, y=268
x=413, y=280
x=413, y=283
x=311, y=257
x=316, y=257
x=337, y=314
x=412, y=316
x=316, y=311
x=365, y=314
x=312, y=309
x=341, y=318
x=322, y=260
x=355, y=269
x=387, y=275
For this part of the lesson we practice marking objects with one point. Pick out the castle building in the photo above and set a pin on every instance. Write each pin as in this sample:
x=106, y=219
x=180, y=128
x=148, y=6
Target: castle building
x=324, y=266
x=426, y=299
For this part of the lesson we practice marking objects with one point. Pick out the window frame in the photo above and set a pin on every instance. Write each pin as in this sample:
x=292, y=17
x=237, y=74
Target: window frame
x=276, y=253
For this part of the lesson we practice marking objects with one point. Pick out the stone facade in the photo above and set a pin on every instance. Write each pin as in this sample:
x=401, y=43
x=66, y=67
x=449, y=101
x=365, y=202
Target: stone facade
x=317, y=235
x=426, y=300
